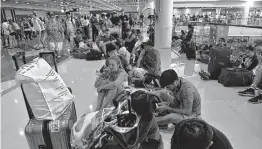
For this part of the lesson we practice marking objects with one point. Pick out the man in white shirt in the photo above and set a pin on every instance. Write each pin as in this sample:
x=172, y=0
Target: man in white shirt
x=136, y=50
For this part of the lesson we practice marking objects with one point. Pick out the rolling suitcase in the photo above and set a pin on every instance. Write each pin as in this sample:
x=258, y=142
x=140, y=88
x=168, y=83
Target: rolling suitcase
x=48, y=134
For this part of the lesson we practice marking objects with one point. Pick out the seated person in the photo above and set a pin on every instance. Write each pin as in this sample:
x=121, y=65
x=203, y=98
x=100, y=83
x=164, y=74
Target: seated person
x=149, y=134
x=104, y=39
x=221, y=43
x=249, y=60
x=186, y=102
x=85, y=43
x=121, y=50
x=136, y=51
x=197, y=134
x=257, y=79
x=149, y=59
x=110, y=83
x=78, y=37
x=111, y=52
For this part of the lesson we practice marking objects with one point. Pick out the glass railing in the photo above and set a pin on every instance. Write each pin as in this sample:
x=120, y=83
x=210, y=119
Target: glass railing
x=237, y=21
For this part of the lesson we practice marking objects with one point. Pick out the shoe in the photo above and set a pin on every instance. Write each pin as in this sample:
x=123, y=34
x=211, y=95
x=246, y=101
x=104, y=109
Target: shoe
x=203, y=76
x=250, y=92
x=256, y=100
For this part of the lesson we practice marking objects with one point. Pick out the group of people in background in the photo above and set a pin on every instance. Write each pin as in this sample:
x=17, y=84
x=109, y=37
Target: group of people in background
x=230, y=18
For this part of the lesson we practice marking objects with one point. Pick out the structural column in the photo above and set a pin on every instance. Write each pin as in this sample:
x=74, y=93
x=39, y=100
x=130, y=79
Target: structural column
x=163, y=31
x=245, y=15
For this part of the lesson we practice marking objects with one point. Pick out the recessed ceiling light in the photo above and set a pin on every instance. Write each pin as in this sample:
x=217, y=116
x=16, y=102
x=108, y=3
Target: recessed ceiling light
x=27, y=3
x=16, y=2
x=36, y=4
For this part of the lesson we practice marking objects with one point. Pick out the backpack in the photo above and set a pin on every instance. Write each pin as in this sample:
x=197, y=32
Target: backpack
x=94, y=55
x=219, y=58
x=26, y=25
x=235, y=77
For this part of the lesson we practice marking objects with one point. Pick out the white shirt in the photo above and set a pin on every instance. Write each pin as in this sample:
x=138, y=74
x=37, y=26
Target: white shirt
x=85, y=22
x=70, y=24
x=123, y=51
x=139, y=42
x=36, y=24
x=5, y=28
x=16, y=26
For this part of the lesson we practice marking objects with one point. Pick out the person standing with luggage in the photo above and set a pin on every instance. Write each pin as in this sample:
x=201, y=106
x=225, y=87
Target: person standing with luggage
x=254, y=90
x=188, y=45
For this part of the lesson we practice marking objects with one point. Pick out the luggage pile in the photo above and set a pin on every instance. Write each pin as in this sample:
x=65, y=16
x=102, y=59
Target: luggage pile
x=115, y=127
x=87, y=54
x=49, y=103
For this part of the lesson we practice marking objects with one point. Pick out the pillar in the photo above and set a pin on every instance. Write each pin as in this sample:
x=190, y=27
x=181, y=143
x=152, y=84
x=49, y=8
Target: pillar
x=163, y=31
x=245, y=15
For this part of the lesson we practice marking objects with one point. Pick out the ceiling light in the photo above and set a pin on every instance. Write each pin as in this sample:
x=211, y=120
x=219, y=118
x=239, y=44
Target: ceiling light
x=27, y=3
x=36, y=4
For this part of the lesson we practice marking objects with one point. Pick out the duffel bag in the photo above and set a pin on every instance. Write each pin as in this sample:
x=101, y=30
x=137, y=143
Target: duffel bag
x=93, y=55
x=235, y=77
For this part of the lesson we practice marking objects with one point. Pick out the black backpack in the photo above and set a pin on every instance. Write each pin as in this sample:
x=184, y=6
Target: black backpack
x=93, y=55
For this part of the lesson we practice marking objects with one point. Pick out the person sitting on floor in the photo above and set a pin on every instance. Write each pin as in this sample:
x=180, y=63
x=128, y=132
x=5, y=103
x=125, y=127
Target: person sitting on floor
x=257, y=79
x=197, y=134
x=85, y=43
x=104, y=39
x=149, y=134
x=121, y=50
x=137, y=49
x=111, y=51
x=136, y=74
x=110, y=83
x=186, y=102
x=249, y=60
x=149, y=59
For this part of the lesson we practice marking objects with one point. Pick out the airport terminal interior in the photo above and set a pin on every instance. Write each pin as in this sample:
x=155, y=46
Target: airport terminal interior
x=131, y=74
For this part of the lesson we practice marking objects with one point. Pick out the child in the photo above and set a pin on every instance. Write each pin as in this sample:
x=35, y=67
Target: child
x=85, y=44
x=149, y=135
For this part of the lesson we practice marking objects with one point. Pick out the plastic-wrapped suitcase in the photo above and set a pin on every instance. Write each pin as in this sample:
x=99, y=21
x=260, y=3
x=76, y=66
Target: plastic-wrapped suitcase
x=48, y=134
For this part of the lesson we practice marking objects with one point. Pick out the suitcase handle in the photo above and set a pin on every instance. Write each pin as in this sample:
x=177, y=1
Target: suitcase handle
x=41, y=54
x=29, y=110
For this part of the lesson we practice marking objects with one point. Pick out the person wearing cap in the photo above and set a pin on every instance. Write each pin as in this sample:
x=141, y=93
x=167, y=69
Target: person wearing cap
x=137, y=49
x=103, y=39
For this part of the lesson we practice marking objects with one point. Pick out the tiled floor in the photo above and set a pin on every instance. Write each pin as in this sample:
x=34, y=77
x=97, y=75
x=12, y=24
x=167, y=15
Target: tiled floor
x=221, y=106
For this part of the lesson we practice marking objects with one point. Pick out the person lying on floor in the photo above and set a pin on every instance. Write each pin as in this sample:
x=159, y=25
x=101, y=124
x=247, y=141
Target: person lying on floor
x=111, y=51
x=85, y=43
x=197, y=134
x=149, y=134
x=104, y=39
x=149, y=59
x=110, y=83
x=186, y=102
x=257, y=79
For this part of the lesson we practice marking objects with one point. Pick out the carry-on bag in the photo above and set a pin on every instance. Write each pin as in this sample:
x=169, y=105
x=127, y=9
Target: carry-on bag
x=219, y=58
x=48, y=134
x=235, y=77
x=93, y=55
x=88, y=132
x=190, y=50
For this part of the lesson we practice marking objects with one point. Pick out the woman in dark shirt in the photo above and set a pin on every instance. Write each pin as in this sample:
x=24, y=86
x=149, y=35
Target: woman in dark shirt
x=249, y=61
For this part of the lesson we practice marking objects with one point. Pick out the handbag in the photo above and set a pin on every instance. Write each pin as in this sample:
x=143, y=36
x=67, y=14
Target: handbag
x=235, y=77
